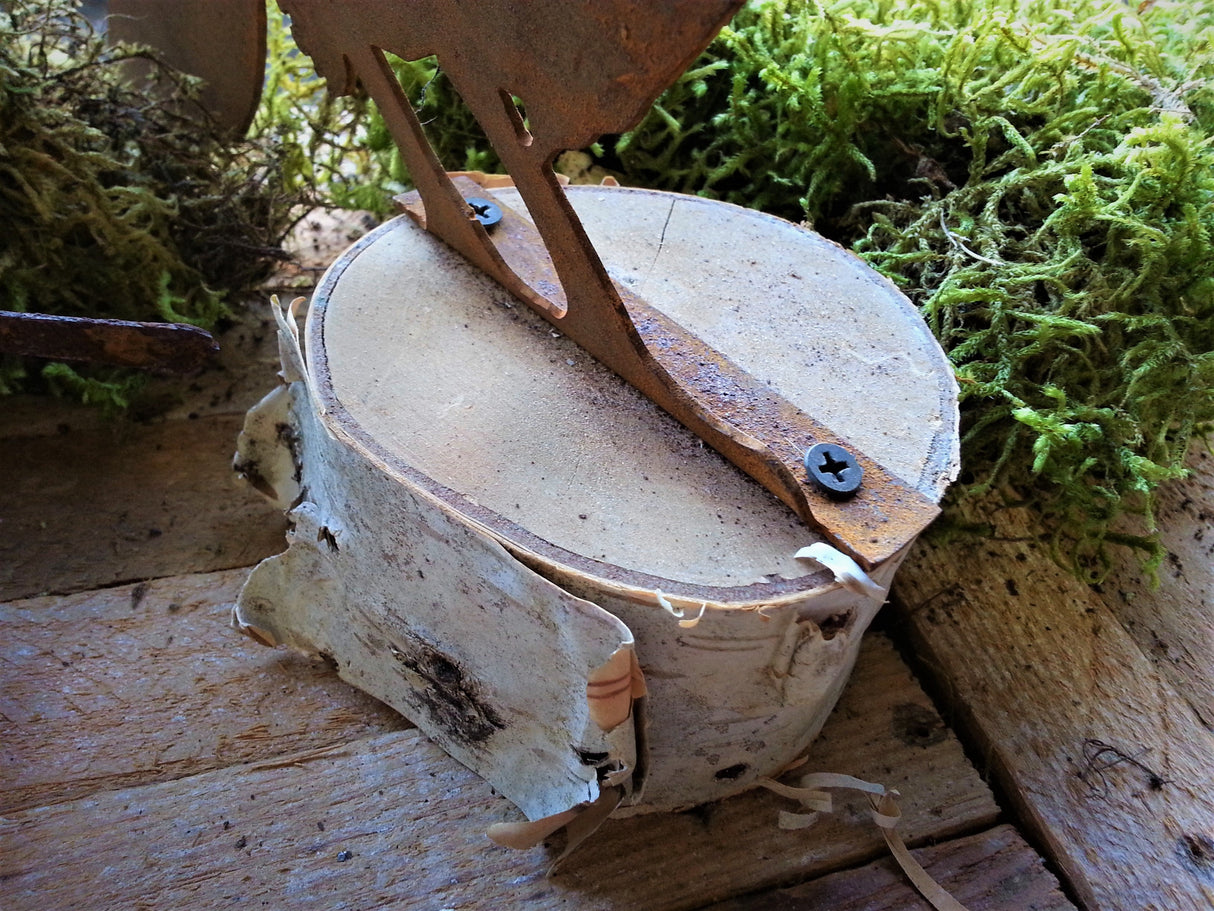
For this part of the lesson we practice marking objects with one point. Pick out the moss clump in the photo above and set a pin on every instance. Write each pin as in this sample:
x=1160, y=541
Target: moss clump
x=1038, y=176
x=114, y=204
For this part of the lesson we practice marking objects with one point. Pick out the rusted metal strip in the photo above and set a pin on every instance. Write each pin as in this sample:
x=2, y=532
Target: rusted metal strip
x=169, y=347
x=762, y=433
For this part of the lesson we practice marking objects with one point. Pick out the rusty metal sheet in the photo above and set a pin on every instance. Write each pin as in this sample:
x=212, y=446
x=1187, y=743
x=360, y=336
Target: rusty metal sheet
x=579, y=70
x=171, y=347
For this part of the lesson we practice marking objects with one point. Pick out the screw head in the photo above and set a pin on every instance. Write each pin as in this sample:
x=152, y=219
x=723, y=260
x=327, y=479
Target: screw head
x=484, y=211
x=834, y=470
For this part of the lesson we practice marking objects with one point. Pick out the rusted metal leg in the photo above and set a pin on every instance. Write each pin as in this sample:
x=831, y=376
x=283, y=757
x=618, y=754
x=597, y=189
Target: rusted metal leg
x=445, y=212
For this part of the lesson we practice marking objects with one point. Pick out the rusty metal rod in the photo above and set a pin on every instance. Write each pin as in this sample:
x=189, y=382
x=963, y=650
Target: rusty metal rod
x=168, y=347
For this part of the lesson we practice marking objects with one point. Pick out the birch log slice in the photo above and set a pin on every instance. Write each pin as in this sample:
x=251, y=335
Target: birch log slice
x=427, y=383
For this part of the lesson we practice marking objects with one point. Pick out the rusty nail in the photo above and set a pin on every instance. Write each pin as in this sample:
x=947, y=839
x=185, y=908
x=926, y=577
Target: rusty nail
x=834, y=470
x=484, y=211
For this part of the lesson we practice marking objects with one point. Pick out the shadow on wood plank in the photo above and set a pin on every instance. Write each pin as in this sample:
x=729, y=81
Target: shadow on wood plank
x=1173, y=624
x=149, y=682
x=86, y=509
x=990, y=871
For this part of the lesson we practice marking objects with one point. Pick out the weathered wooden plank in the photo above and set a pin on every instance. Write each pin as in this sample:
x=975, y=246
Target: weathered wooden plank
x=1103, y=758
x=994, y=870
x=413, y=818
x=392, y=820
x=1173, y=623
x=113, y=504
x=76, y=665
x=149, y=682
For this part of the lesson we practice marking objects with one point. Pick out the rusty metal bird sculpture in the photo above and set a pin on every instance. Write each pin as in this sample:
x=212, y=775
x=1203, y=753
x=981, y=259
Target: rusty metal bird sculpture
x=579, y=70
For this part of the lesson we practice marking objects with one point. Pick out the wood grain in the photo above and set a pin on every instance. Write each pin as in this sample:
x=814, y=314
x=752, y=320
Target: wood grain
x=1105, y=761
x=994, y=870
x=1173, y=622
x=129, y=502
x=413, y=818
x=149, y=682
x=403, y=824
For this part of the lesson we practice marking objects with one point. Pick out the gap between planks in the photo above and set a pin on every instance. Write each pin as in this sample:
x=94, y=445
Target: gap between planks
x=991, y=869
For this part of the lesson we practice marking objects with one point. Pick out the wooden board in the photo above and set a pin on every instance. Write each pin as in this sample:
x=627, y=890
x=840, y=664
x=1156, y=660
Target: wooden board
x=412, y=818
x=148, y=682
x=991, y=870
x=1103, y=759
x=1173, y=623
x=384, y=821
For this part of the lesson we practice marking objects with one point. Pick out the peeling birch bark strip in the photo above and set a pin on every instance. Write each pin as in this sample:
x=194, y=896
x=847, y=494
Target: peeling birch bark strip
x=410, y=823
x=148, y=682
x=92, y=508
x=1105, y=761
x=992, y=871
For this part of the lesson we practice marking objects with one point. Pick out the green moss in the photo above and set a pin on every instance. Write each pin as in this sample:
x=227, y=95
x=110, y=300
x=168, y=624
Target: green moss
x=113, y=204
x=1037, y=176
